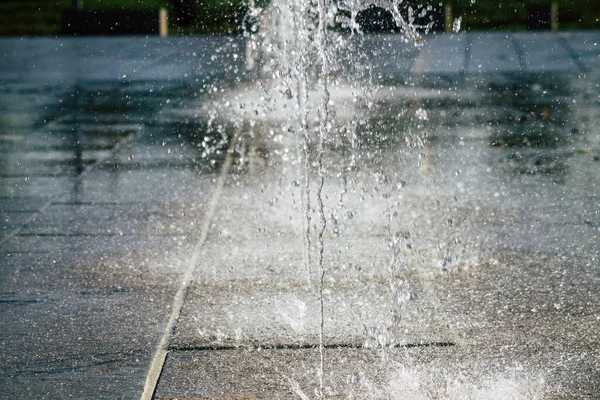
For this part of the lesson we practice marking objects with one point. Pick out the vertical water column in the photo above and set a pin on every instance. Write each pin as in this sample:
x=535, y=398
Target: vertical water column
x=322, y=42
x=291, y=47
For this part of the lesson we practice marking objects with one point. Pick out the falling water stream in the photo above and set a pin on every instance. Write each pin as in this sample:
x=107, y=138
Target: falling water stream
x=293, y=43
x=322, y=38
x=311, y=79
x=289, y=55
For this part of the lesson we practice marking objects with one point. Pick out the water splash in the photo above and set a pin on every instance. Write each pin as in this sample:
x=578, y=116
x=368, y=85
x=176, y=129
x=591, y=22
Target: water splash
x=456, y=25
x=408, y=29
x=291, y=43
x=419, y=383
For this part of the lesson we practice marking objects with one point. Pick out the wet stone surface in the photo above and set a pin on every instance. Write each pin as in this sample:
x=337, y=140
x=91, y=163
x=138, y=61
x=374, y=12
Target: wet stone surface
x=472, y=179
x=101, y=201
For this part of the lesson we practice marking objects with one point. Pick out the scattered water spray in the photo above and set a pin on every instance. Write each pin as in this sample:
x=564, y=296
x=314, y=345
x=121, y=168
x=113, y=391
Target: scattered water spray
x=408, y=29
x=324, y=128
x=292, y=43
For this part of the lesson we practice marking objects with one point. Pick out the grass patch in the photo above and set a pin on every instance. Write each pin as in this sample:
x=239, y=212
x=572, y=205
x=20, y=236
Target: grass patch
x=512, y=14
x=39, y=17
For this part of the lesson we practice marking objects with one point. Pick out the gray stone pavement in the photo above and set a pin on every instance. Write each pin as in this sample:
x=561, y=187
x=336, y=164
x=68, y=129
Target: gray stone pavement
x=107, y=200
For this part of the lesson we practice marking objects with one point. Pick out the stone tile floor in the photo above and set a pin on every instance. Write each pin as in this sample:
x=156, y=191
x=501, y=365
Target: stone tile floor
x=113, y=222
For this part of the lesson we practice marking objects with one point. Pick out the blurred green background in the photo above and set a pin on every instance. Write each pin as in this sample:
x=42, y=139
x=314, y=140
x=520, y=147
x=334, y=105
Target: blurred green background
x=43, y=17
x=512, y=14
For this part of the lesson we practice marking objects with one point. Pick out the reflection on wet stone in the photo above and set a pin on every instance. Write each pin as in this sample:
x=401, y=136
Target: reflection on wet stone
x=479, y=188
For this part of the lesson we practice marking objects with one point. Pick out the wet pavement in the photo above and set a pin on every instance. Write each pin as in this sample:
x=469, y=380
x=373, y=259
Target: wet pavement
x=120, y=233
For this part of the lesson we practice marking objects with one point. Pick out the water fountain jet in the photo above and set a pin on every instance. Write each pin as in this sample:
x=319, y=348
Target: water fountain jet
x=303, y=97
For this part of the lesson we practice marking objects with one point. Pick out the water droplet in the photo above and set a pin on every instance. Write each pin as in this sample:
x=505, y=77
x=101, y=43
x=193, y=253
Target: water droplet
x=445, y=261
x=421, y=114
x=456, y=24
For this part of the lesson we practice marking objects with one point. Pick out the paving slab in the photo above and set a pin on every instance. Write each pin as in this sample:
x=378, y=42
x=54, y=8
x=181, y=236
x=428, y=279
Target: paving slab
x=507, y=52
x=543, y=52
x=489, y=219
x=25, y=186
x=100, y=219
x=493, y=52
x=447, y=371
x=443, y=54
x=521, y=338
x=133, y=183
x=387, y=56
x=84, y=337
x=583, y=47
x=22, y=204
x=12, y=221
x=68, y=59
x=95, y=239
